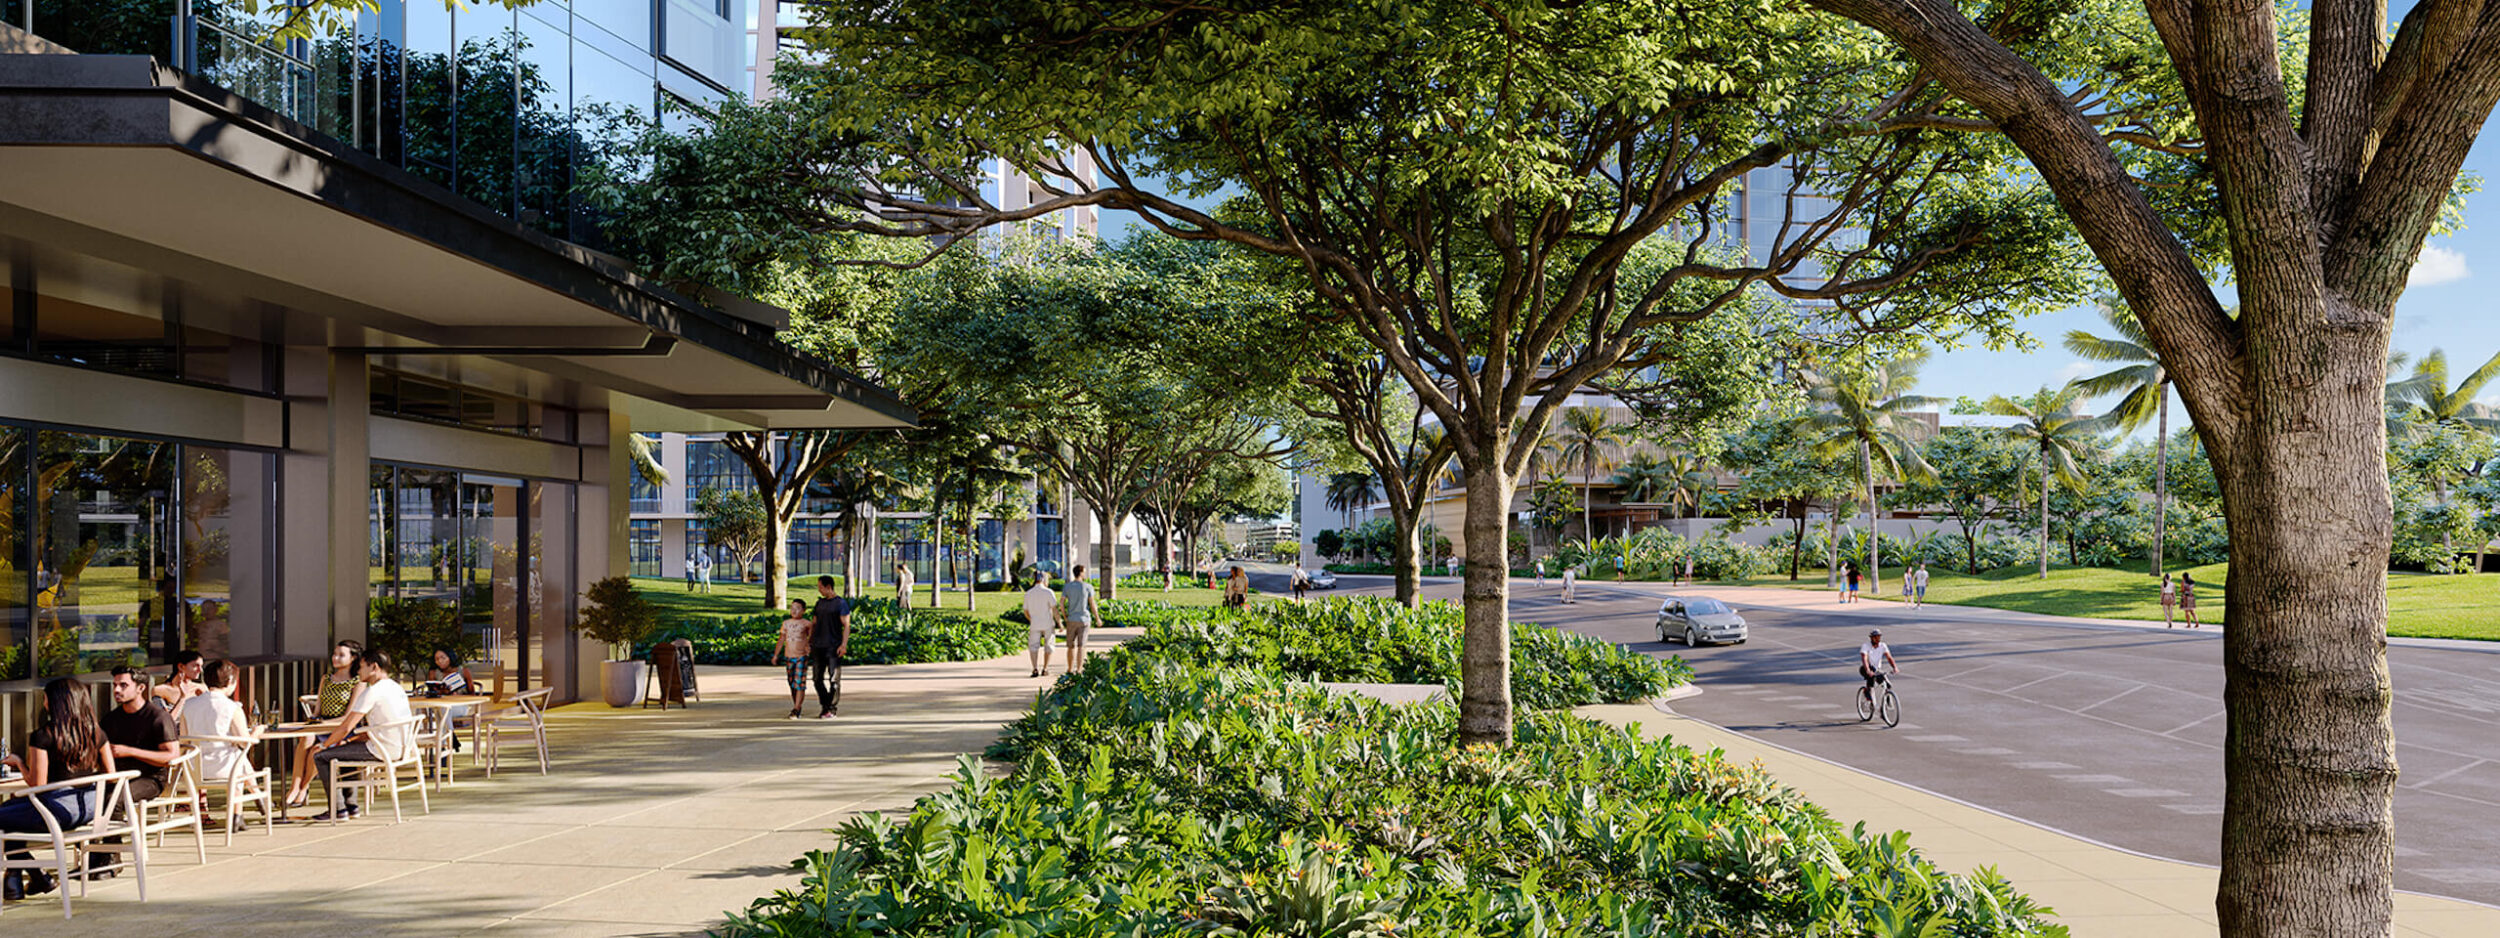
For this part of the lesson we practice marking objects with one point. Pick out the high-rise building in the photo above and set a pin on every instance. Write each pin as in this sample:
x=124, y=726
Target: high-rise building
x=300, y=332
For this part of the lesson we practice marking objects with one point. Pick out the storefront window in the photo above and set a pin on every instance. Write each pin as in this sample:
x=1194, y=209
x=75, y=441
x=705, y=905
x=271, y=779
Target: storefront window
x=227, y=549
x=16, y=556
x=481, y=545
x=104, y=581
x=642, y=544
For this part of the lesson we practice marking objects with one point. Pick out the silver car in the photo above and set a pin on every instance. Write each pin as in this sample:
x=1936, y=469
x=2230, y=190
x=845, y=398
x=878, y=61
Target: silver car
x=1697, y=619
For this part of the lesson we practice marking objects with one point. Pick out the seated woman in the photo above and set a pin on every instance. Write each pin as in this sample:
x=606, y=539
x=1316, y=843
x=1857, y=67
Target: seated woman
x=68, y=745
x=184, y=681
x=449, y=670
x=216, y=714
x=338, y=688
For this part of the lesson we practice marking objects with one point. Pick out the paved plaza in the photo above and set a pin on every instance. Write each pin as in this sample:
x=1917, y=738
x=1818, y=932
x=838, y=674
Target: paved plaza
x=652, y=823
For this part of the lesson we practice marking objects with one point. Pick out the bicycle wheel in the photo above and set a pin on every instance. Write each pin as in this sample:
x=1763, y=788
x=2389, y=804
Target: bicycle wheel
x=1866, y=704
x=1891, y=708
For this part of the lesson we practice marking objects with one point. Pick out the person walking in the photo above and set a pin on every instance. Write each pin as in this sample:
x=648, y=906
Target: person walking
x=689, y=570
x=1909, y=586
x=1041, y=620
x=1921, y=578
x=1237, y=588
x=1688, y=569
x=2187, y=599
x=2169, y=598
x=828, y=639
x=1849, y=593
x=1540, y=574
x=1301, y=581
x=793, y=652
x=1571, y=584
x=902, y=585
x=703, y=569
x=1079, y=612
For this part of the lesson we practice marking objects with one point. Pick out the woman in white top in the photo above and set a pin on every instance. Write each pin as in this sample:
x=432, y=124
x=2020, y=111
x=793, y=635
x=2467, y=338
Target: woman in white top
x=216, y=714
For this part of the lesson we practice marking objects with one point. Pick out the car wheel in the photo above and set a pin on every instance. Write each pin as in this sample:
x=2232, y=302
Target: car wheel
x=1692, y=638
x=1662, y=633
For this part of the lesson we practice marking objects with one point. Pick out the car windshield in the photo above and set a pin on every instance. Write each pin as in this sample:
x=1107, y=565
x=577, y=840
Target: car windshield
x=1704, y=607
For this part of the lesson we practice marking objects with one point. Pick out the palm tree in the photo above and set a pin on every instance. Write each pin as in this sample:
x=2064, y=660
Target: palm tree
x=1691, y=482
x=1867, y=409
x=1644, y=477
x=2050, y=422
x=644, y=451
x=2424, y=402
x=1348, y=491
x=2145, y=385
x=1588, y=440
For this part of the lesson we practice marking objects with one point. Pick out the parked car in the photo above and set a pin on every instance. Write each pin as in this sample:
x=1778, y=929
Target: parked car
x=1323, y=580
x=1697, y=619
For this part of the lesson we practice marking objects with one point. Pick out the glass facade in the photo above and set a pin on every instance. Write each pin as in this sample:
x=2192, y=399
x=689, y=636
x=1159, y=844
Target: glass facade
x=505, y=107
x=130, y=550
x=642, y=545
x=482, y=545
x=420, y=398
x=710, y=465
x=1050, y=544
x=815, y=547
x=77, y=309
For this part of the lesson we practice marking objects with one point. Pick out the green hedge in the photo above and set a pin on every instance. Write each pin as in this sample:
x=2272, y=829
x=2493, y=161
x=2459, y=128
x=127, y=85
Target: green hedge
x=881, y=633
x=1160, y=797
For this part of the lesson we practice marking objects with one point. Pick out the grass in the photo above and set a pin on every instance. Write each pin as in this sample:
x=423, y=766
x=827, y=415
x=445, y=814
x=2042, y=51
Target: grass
x=2419, y=605
x=745, y=599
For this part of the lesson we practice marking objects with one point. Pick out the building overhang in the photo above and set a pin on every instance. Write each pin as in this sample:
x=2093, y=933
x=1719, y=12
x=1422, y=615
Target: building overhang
x=121, y=157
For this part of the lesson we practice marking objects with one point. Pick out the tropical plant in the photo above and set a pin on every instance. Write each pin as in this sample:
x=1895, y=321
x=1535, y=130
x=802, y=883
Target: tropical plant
x=617, y=613
x=412, y=629
x=737, y=521
x=2052, y=425
x=1865, y=408
x=1350, y=491
x=2425, y=404
x=1588, y=440
x=2144, y=386
x=1643, y=477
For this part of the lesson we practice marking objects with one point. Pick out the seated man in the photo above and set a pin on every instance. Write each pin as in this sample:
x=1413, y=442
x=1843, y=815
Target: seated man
x=362, y=736
x=141, y=733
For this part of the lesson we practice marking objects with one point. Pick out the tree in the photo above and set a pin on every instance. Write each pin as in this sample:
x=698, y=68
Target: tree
x=2317, y=179
x=1644, y=477
x=1973, y=479
x=1589, y=440
x=2424, y=404
x=1865, y=407
x=1348, y=491
x=1539, y=214
x=2145, y=390
x=2053, y=427
x=1779, y=467
x=1329, y=544
x=734, y=520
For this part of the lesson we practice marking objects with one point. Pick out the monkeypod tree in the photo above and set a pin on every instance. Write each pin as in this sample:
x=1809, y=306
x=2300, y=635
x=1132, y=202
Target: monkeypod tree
x=1505, y=200
x=2318, y=151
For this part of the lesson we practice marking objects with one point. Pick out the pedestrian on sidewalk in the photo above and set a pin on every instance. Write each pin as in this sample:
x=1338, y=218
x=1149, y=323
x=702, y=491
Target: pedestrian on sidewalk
x=689, y=570
x=1079, y=612
x=1571, y=584
x=793, y=652
x=2169, y=598
x=1301, y=581
x=1909, y=586
x=1850, y=593
x=828, y=639
x=1540, y=574
x=1688, y=569
x=1921, y=577
x=902, y=585
x=703, y=570
x=1237, y=588
x=1041, y=621
x=2187, y=598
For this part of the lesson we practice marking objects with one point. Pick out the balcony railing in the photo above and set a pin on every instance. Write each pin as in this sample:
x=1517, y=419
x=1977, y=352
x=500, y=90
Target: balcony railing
x=277, y=75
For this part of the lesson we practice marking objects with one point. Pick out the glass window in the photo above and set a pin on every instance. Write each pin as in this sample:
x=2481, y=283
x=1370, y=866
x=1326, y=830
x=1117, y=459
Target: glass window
x=427, y=400
x=228, y=545
x=710, y=465
x=542, y=174
x=104, y=577
x=815, y=547
x=629, y=20
x=642, y=547
x=701, y=37
x=16, y=555
x=105, y=317
x=430, y=71
x=1050, y=544
x=643, y=497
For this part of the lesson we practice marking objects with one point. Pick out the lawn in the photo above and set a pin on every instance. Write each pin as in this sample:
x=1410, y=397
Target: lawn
x=2419, y=605
x=742, y=599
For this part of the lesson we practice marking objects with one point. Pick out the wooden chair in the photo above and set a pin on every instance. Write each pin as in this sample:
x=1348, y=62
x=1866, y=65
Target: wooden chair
x=308, y=707
x=244, y=784
x=526, y=715
x=368, y=775
x=441, y=730
x=114, y=817
x=173, y=809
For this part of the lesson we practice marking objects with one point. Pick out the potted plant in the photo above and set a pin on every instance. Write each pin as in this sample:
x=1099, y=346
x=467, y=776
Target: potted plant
x=618, y=616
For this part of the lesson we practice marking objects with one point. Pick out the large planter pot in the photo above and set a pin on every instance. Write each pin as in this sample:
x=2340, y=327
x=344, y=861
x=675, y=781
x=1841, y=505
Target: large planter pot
x=621, y=681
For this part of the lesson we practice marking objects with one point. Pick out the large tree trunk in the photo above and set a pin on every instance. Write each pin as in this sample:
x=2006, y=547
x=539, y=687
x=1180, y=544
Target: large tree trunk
x=1406, y=554
x=1484, y=664
x=776, y=560
x=2044, y=514
x=1107, y=536
x=2161, y=483
x=2310, y=767
x=1874, y=525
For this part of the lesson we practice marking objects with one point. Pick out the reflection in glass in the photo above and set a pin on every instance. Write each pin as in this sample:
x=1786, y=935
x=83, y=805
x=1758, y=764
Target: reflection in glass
x=642, y=546
x=227, y=549
x=485, y=65
x=542, y=175
x=550, y=577
x=1050, y=544
x=104, y=584
x=432, y=148
x=16, y=637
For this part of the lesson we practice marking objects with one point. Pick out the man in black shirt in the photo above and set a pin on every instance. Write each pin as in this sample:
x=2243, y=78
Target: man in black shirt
x=827, y=643
x=141, y=732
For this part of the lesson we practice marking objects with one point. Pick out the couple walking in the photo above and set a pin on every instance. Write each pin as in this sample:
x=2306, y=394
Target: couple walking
x=1046, y=611
x=813, y=642
x=2183, y=594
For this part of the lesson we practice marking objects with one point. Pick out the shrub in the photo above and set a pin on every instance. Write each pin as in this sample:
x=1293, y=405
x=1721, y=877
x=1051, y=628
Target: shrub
x=881, y=633
x=1158, y=797
x=410, y=630
x=617, y=614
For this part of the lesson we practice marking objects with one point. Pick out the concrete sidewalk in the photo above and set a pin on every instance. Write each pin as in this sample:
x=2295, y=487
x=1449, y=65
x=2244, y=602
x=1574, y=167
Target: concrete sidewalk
x=2097, y=891
x=652, y=822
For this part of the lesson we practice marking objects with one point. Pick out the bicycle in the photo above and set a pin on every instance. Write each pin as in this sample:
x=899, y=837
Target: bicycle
x=1869, y=707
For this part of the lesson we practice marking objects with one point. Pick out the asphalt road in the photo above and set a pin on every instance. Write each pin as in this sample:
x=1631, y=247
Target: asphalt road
x=2112, y=734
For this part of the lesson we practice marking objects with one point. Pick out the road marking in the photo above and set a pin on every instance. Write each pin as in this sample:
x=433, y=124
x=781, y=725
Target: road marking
x=2144, y=792
x=2097, y=779
x=1939, y=738
x=2191, y=723
x=2462, y=875
x=2113, y=697
x=2206, y=809
x=2443, y=776
x=2042, y=766
x=1986, y=751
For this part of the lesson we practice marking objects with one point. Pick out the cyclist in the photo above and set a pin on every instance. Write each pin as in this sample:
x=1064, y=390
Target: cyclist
x=1875, y=659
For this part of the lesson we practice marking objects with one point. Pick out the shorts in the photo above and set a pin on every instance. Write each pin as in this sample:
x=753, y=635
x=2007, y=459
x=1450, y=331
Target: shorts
x=1037, y=637
x=1077, y=629
x=1922, y=591
x=796, y=670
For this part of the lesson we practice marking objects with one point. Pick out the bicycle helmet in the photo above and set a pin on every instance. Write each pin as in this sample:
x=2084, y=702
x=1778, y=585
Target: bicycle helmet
x=1876, y=633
